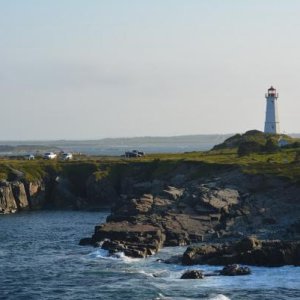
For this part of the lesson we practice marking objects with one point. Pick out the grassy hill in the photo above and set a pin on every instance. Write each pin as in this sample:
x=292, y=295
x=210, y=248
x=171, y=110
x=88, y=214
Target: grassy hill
x=253, y=136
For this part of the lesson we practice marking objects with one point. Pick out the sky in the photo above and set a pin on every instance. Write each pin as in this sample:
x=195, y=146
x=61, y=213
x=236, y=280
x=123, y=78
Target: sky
x=90, y=69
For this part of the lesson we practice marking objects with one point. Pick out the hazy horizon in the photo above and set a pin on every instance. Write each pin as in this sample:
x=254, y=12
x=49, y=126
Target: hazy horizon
x=293, y=134
x=88, y=70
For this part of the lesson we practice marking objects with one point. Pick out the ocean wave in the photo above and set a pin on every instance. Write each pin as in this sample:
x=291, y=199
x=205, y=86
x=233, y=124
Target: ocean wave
x=119, y=256
x=215, y=297
x=156, y=274
x=162, y=297
x=219, y=297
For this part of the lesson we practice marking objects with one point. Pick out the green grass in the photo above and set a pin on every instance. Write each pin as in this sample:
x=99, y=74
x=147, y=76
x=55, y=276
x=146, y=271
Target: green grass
x=281, y=163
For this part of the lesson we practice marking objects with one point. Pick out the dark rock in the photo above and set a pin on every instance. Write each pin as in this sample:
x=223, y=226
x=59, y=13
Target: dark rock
x=100, y=192
x=197, y=254
x=62, y=194
x=192, y=274
x=85, y=242
x=269, y=221
x=273, y=254
x=135, y=240
x=249, y=251
x=235, y=270
x=247, y=244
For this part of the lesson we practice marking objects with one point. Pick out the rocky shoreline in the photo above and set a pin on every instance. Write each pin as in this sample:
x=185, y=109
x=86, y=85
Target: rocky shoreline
x=219, y=209
x=160, y=204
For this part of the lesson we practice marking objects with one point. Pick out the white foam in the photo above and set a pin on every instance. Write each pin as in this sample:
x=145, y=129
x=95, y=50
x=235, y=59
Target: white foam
x=162, y=297
x=99, y=253
x=145, y=273
x=124, y=258
x=104, y=254
x=219, y=297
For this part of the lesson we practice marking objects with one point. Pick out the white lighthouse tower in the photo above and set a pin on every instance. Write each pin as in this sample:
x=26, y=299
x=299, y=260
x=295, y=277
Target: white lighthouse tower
x=272, y=120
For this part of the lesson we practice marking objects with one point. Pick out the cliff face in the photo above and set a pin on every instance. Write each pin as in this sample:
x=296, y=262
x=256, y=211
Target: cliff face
x=56, y=192
x=19, y=196
x=8, y=203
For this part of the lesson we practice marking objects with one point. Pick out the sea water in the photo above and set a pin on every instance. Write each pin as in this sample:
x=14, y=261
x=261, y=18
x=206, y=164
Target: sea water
x=40, y=259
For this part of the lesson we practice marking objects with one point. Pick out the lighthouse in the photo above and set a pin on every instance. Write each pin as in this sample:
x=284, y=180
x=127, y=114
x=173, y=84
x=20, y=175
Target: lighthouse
x=272, y=120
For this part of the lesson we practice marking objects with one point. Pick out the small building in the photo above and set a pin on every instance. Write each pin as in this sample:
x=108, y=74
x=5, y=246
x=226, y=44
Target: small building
x=282, y=142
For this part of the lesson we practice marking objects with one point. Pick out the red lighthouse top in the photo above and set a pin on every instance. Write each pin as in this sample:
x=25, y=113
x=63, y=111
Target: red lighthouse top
x=272, y=92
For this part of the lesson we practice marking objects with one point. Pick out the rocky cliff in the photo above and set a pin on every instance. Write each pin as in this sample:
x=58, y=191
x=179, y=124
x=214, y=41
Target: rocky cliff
x=180, y=207
x=164, y=203
x=19, y=196
x=75, y=187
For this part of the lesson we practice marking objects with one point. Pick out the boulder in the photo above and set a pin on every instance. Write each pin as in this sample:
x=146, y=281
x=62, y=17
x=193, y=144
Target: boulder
x=235, y=270
x=192, y=274
x=135, y=240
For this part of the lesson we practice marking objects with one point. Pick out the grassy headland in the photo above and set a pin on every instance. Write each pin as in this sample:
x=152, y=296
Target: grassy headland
x=283, y=162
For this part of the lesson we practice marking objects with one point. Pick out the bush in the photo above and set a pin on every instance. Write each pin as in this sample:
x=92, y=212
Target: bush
x=247, y=148
x=271, y=146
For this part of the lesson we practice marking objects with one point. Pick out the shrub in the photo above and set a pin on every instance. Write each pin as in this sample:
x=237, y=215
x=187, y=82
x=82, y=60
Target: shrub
x=247, y=148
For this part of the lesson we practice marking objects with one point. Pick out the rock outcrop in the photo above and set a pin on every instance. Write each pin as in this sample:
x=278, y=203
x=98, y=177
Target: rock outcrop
x=19, y=196
x=223, y=208
x=192, y=274
x=249, y=251
x=55, y=192
x=7, y=200
x=135, y=240
x=100, y=193
x=36, y=193
x=228, y=270
x=235, y=270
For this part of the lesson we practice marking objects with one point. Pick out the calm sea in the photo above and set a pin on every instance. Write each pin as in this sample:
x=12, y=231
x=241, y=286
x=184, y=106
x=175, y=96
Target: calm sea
x=40, y=259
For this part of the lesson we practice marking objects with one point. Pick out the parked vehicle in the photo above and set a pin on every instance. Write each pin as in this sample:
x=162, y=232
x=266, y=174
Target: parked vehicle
x=134, y=153
x=67, y=156
x=29, y=157
x=49, y=155
x=139, y=153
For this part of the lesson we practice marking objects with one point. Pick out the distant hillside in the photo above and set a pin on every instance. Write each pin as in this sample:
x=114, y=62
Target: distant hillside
x=117, y=146
x=21, y=149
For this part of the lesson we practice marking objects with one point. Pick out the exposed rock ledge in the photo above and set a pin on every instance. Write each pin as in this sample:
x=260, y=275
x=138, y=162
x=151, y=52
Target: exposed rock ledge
x=224, y=208
x=249, y=251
